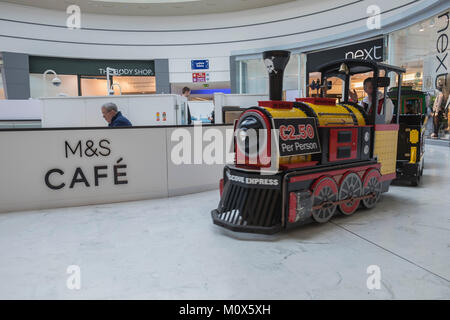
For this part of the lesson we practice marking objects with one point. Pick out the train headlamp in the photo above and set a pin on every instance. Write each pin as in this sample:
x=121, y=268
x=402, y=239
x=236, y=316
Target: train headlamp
x=251, y=136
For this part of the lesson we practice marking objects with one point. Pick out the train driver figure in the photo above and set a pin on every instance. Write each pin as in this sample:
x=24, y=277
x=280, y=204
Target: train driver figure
x=366, y=103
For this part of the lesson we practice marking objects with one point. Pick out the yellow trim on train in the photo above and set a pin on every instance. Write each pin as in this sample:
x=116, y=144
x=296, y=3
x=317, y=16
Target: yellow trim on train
x=286, y=113
x=337, y=115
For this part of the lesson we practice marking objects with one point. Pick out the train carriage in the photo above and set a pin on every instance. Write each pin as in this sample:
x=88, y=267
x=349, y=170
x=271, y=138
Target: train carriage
x=411, y=134
x=301, y=161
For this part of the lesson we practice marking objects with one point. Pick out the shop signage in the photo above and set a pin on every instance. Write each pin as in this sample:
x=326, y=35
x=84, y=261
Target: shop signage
x=368, y=50
x=87, y=67
x=200, y=77
x=56, y=178
x=199, y=64
x=441, y=47
x=247, y=180
x=297, y=136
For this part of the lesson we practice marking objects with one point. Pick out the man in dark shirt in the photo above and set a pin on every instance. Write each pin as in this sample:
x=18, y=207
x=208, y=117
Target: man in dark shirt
x=113, y=116
x=186, y=92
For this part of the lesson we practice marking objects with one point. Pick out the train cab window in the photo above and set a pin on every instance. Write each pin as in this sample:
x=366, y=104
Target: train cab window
x=356, y=89
x=412, y=106
x=332, y=89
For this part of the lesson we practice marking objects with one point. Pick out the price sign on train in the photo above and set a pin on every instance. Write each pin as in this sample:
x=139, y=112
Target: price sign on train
x=297, y=136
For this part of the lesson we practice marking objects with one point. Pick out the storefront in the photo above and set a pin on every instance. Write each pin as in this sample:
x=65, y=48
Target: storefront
x=82, y=77
x=423, y=50
x=373, y=49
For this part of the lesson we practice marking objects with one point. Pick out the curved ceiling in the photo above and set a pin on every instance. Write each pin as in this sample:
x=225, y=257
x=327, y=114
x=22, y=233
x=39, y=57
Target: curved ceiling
x=152, y=7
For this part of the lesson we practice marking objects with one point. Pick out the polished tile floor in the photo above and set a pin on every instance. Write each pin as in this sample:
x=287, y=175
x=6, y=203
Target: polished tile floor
x=169, y=249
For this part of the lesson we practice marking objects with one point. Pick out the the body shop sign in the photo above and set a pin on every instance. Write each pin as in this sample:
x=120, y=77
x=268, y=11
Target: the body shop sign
x=95, y=67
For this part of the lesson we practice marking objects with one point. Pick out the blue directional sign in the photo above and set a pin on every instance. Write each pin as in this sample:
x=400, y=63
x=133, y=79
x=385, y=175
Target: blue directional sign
x=199, y=64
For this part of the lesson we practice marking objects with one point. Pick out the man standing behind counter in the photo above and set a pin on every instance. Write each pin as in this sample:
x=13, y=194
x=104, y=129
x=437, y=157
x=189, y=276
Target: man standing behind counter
x=113, y=116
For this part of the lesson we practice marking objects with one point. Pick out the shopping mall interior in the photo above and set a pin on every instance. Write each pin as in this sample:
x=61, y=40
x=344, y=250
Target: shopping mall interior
x=210, y=149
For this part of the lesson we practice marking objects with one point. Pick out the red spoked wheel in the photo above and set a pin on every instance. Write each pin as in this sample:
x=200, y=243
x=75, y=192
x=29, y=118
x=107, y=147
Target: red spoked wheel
x=324, y=196
x=371, y=186
x=351, y=188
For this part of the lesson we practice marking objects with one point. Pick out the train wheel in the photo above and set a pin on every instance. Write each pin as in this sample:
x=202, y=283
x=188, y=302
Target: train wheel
x=351, y=188
x=325, y=191
x=372, y=185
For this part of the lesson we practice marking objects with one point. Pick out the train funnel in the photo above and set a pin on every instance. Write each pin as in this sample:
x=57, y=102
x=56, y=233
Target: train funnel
x=276, y=62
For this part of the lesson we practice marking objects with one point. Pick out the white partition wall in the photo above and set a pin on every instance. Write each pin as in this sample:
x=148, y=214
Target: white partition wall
x=235, y=100
x=20, y=109
x=33, y=154
x=190, y=178
x=50, y=168
x=141, y=110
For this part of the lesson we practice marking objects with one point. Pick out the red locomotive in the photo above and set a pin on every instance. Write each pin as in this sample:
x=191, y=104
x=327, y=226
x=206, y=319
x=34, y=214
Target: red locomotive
x=301, y=161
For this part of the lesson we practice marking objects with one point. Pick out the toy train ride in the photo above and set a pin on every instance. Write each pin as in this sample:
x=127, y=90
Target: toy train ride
x=411, y=134
x=301, y=161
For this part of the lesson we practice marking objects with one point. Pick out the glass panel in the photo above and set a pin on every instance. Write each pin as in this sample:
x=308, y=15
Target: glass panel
x=413, y=106
x=291, y=76
x=44, y=88
x=136, y=85
x=95, y=87
x=2, y=92
x=357, y=85
x=423, y=51
x=335, y=91
x=252, y=76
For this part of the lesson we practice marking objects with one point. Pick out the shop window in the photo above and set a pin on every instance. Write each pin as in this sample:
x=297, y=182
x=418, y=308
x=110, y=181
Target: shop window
x=97, y=85
x=423, y=51
x=94, y=86
x=136, y=85
x=2, y=91
x=40, y=87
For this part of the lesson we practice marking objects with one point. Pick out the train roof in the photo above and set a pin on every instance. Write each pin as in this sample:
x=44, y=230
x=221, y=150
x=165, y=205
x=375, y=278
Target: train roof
x=406, y=91
x=356, y=66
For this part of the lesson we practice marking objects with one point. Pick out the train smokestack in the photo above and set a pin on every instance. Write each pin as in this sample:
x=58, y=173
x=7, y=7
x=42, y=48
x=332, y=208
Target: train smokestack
x=275, y=62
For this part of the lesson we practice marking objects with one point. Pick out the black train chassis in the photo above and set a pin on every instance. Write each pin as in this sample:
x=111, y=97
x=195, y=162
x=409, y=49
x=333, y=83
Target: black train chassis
x=260, y=203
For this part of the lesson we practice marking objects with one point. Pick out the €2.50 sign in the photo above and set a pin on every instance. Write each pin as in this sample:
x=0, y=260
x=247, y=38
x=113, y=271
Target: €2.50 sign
x=297, y=136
